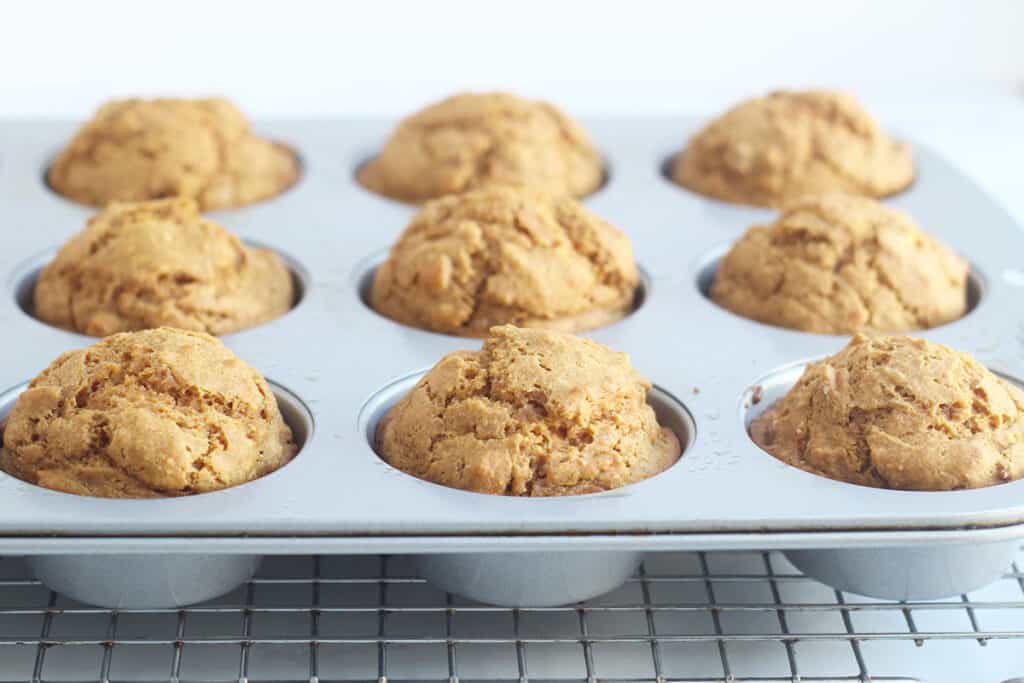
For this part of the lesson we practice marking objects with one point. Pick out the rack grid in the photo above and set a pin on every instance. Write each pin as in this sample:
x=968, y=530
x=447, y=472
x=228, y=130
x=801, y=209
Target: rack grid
x=688, y=617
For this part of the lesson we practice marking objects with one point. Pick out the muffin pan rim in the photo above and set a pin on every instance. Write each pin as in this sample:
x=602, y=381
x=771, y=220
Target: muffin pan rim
x=332, y=223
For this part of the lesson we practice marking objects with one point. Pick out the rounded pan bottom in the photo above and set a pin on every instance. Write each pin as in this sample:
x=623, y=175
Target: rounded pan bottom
x=141, y=581
x=543, y=579
x=909, y=573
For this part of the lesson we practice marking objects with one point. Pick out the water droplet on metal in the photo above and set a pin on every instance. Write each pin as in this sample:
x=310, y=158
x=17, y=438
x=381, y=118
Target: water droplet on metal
x=1014, y=277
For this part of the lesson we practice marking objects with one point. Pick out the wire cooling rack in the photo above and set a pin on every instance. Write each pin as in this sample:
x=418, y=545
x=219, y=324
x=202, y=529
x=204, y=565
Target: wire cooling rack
x=684, y=617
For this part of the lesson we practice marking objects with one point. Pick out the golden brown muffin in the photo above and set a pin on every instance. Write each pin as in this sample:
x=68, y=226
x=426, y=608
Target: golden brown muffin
x=899, y=413
x=534, y=413
x=475, y=139
x=506, y=255
x=772, y=149
x=838, y=264
x=160, y=263
x=147, y=414
x=134, y=150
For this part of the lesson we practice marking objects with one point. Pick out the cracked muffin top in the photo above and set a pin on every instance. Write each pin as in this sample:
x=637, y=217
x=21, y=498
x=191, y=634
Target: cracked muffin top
x=475, y=139
x=148, y=414
x=134, y=150
x=771, y=149
x=838, y=264
x=899, y=413
x=157, y=263
x=502, y=255
x=533, y=413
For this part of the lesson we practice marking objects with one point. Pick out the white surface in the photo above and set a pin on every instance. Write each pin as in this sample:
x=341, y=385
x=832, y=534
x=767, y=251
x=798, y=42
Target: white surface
x=949, y=72
x=385, y=56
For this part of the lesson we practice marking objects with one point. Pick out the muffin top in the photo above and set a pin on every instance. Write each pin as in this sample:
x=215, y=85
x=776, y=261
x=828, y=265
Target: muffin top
x=156, y=413
x=838, y=264
x=160, y=263
x=533, y=413
x=506, y=255
x=475, y=139
x=134, y=150
x=899, y=413
x=769, y=150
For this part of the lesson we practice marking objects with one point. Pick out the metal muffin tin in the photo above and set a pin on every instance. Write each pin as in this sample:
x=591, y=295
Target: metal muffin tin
x=337, y=366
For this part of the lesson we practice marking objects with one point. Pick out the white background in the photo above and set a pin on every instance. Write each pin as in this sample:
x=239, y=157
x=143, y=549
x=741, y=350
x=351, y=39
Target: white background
x=948, y=73
x=382, y=56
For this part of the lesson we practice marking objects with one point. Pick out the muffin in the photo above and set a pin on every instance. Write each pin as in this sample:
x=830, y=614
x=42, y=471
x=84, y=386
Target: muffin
x=838, y=264
x=475, y=139
x=899, y=413
x=157, y=263
x=148, y=414
x=533, y=413
x=772, y=149
x=502, y=255
x=134, y=150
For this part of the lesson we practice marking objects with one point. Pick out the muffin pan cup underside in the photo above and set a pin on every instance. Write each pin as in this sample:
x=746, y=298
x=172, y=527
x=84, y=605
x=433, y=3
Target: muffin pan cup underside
x=340, y=360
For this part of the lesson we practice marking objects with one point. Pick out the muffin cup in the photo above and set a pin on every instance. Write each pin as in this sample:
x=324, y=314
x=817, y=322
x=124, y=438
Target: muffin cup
x=529, y=579
x=926, y=572
x=143, y=581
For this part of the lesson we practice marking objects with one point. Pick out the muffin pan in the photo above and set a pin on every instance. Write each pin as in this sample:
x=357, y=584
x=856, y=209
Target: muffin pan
x=336, y=366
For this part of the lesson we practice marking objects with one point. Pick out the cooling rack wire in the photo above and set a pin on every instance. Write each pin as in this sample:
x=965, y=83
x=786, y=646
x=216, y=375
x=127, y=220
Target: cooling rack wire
x=701, y=617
